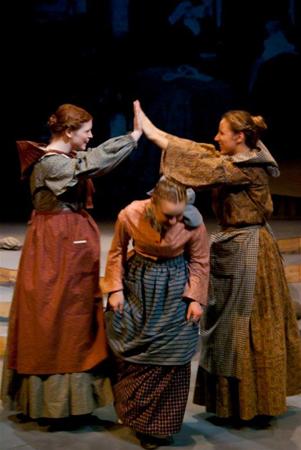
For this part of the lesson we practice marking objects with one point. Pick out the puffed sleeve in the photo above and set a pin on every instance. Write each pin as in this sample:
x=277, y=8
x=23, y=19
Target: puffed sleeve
x=113, y=279
x=102, y=159
x=58, y=172
x=199, y=165
x=197, y=253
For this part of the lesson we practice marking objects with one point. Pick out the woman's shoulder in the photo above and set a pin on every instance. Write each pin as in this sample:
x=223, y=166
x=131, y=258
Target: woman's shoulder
x=56, y=164
x=136, y=206
x=134, y=209
x=189, y=144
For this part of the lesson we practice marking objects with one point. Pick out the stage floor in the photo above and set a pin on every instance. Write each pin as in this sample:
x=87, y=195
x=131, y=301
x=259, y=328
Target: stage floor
x=197, y=432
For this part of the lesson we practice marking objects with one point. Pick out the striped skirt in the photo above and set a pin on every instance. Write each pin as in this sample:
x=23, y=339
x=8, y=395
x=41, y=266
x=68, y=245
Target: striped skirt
x=153, y=328
x=153, y=344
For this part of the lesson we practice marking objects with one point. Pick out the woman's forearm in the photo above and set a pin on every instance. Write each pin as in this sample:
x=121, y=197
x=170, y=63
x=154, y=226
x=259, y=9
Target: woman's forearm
x=153, y=133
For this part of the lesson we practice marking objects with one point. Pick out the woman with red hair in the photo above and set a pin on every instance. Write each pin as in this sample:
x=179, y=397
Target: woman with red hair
x=57, y=348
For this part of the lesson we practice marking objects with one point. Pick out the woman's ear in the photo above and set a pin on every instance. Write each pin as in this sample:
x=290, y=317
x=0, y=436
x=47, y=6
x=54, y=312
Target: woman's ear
x=240, y=137
x=68, y=133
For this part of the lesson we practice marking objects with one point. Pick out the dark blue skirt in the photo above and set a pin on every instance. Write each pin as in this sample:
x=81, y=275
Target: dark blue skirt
x=153, y=328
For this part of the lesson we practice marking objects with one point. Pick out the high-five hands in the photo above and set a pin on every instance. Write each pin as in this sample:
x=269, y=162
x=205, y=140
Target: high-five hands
x=148, y=128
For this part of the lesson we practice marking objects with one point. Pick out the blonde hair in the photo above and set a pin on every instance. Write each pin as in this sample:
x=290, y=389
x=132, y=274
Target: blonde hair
x=68, y=117
x=170, y=190
x=243, y=121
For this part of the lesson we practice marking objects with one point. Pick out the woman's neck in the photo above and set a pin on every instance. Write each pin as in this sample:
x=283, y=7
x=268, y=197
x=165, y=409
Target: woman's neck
x=242, y=148
x=59, y=145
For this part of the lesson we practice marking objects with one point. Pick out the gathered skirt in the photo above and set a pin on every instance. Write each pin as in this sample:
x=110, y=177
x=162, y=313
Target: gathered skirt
x=151, y=399
x=153, y=329
x=152, y=345
x=271, y=361
x=57, y=347
x=56, y=396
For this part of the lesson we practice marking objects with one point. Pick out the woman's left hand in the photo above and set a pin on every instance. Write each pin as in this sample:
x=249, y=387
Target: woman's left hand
x=137, y=132
x=116, y=301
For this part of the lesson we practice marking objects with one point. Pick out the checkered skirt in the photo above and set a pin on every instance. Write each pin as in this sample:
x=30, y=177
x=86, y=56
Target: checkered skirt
x=151, y=399
x=225, y=325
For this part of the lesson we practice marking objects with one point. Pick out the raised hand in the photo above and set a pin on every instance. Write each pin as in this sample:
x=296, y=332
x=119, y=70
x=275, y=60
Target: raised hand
x=149, y=129
x=137, y=132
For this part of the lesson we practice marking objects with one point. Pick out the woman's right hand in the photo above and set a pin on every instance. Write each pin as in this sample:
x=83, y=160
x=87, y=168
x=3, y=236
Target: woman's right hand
x=116, y=301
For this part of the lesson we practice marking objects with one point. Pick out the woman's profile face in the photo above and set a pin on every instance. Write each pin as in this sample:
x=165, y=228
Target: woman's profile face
x=80, y=138
x=227, y=139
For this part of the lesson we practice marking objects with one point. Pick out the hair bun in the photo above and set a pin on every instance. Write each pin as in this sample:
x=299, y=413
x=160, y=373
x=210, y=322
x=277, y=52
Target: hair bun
x=52, y=120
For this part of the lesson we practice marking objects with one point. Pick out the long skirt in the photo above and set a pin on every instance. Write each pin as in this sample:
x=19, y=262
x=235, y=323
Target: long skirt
x=271, y=360
x=56, y=396
x=56, y=340
x=151, y=399
x=153, y=344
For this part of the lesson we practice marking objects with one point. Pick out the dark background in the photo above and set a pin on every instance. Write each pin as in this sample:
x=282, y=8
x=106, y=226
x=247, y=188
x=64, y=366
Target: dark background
x=187, y=62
